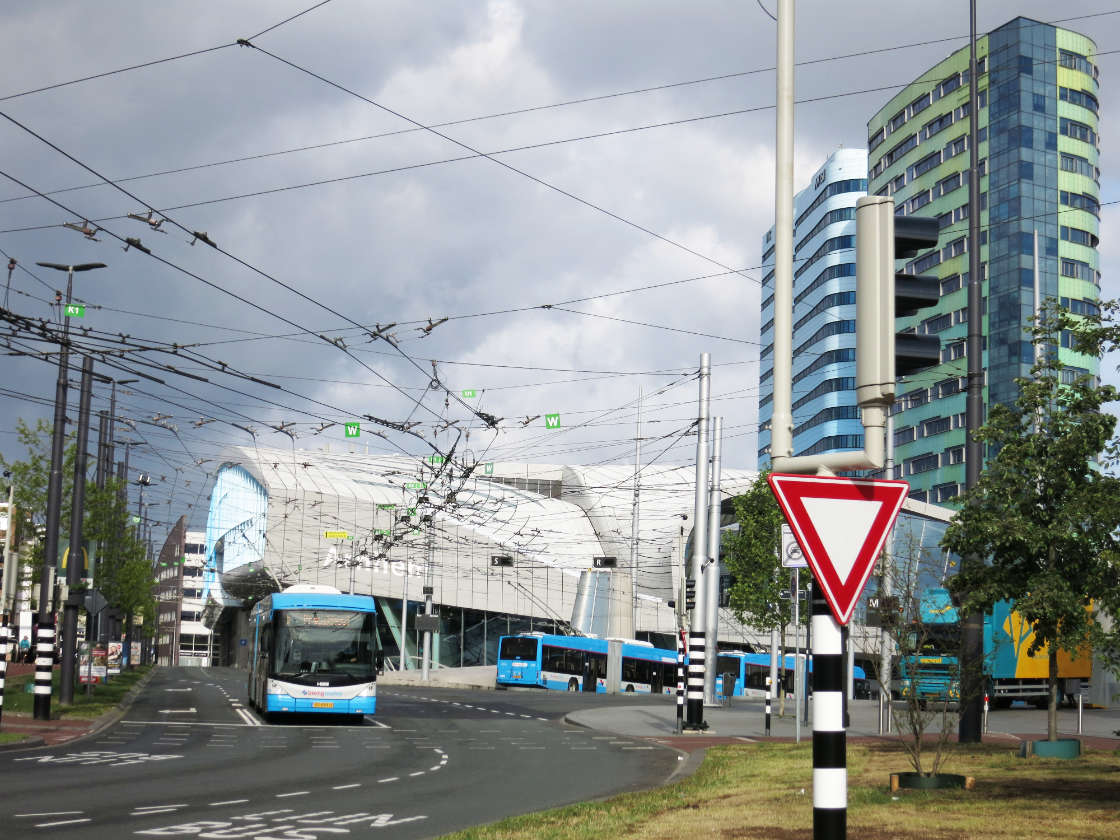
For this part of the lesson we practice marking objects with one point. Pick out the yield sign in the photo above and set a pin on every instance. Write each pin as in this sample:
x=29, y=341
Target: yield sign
x=841, y=525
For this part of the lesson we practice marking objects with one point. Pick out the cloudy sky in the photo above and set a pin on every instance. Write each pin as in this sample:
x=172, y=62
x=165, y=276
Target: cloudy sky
x=591, y=177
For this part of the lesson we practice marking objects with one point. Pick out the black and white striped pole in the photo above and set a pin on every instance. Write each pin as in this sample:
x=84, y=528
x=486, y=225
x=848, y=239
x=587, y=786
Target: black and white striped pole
x=769, y=699
x=830, y=764
x=698, y=607
x=5, y=637
x=44, y=664
x=680, y=681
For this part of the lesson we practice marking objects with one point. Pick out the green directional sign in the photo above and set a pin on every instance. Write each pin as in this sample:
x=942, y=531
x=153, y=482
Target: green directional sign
x=469, y=393
x=75, y=310
x=411, y=511
x=416, y=485
x=552, y=421
x=387, y=506
x=385, y=532
x=435, y=460
x=353, y=429
x=488, y=468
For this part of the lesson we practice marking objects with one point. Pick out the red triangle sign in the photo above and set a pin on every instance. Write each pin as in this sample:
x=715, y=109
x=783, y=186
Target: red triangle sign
x=841, y=525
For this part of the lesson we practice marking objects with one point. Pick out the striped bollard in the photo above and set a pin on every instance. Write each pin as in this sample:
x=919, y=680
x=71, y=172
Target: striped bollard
x=680, y=682
x=769, y=698
x=44, y=663
x=696, y=681
x=5, y=636
x=830, y=761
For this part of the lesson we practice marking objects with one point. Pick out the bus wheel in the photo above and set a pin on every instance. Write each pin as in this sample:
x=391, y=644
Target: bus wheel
x=573, y=684
x=629, y=689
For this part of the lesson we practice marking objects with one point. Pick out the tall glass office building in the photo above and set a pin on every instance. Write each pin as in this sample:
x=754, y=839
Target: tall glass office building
x=1038, y=151
x=825, y=415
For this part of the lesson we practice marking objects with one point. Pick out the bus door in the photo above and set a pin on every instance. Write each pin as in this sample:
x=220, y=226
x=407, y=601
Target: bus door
x=590, y=683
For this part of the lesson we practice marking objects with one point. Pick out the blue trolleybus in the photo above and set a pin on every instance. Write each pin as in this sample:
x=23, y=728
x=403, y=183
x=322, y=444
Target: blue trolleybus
x=579, y=663
x=750, y=671
x=314, y=650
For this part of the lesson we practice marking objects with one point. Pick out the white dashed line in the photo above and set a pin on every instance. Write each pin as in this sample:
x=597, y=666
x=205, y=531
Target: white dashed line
x=50, y=814
x=294, y=793
x=390, y=779
x=346, y=787
x=228, y=802
x=63, y=822
x=417, y=773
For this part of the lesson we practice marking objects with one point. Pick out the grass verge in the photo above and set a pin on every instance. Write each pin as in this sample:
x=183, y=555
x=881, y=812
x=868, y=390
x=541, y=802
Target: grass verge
x=103, y=698
x=764, y=791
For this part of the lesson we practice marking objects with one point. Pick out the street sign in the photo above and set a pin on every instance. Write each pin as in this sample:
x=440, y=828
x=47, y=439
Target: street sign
x=353, y=429
x=335, y=535
x=468, y=393
x=488, y=468
x=75, y=310
x=841, y=525
x=435, y=460
x=552, y=421
x=792, y=556
x=416, y=485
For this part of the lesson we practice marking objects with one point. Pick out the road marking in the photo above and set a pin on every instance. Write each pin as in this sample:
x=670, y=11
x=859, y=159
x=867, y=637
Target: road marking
x=228, y=802
x=295, y=793
x=63, y=822
x=378, y=723
x=346, y=787
x=50, y=814
x=191, y=711
x=390, y=779
x=637, y=748
x=417, y=773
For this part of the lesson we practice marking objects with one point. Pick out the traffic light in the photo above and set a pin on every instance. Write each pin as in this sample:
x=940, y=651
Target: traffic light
x=882, y=294
x=690, y=594
x=604, y=562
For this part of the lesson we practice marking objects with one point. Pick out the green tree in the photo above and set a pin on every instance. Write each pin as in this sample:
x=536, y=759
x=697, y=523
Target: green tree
x=1044, y=512
x=751, y=556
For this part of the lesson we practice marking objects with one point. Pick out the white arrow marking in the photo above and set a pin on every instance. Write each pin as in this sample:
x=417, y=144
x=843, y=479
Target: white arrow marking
x=178, y=689
x=192, y=710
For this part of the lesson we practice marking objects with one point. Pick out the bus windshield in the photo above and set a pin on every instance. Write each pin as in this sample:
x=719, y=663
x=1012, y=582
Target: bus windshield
x=325, y=642
x=518, y=648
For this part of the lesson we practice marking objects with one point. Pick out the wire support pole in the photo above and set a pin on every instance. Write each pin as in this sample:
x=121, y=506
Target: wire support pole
x=830, y=761
x=696, y=647
x=711, y=572
x=680, y=680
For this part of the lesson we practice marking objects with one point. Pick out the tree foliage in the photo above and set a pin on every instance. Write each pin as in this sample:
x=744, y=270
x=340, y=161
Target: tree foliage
x=751, y=556
x=123, y=574
x=1045, y=511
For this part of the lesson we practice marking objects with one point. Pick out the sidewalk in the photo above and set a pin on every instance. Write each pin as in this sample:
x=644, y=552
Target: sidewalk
x=49, y=733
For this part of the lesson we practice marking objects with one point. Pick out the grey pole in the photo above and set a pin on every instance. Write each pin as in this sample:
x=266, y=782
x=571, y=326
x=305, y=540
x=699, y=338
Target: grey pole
x=696, y=645
x=428, y=591
x=635, y=522
x=44, y=659
x=74, y=564
x=711, y=572
x=796, y=595
x=969, y=726
x=8, y=582
x=885, y=589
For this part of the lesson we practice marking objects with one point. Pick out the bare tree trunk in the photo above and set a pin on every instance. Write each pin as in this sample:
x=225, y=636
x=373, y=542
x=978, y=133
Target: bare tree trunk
x=1052, y=685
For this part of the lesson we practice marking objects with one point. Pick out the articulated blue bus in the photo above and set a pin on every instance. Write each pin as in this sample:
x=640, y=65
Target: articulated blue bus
x=314, y=650
x=579, y=663
x=750, y=671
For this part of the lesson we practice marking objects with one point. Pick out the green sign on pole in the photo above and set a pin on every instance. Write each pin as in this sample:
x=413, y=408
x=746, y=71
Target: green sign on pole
x=75, y=310
x=388, y=506
x=416, y=485
x=435, y=460
x=353, y=429
x=488, y=468
x=469, y=393
x=552, y=421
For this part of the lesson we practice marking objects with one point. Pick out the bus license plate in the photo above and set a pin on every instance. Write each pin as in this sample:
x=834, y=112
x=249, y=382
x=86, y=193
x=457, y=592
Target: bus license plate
x=322, y=705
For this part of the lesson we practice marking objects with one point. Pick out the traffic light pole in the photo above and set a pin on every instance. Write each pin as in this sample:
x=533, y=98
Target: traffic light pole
x=77, y=549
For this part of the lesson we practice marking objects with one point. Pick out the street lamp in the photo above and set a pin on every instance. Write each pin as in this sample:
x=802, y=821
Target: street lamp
x=46, y=633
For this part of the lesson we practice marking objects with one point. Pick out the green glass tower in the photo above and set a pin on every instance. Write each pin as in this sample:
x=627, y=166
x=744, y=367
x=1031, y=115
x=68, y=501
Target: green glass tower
x=1039, y=174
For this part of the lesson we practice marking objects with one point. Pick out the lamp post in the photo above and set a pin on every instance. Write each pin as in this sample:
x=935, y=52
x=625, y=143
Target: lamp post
x=44, y=658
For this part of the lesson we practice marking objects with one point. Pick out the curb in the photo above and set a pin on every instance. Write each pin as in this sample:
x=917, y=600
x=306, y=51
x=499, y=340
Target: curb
x=26, y=744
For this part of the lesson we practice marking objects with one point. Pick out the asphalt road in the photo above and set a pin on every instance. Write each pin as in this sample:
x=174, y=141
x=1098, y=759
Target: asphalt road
x=190, y=759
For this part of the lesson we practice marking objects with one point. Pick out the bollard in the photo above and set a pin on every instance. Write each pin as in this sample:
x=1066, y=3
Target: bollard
x=985, y=722
x=1080, y=709
x=4, y=634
